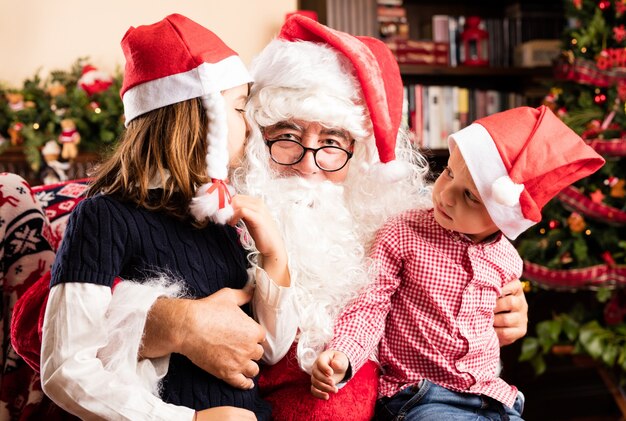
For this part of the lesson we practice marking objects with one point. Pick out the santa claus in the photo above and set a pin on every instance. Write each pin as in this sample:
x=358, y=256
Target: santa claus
x=327, y=156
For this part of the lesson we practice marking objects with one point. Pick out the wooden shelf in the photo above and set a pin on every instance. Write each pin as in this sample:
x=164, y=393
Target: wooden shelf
x=475, y=71
x=13, y=160
x=529, y=82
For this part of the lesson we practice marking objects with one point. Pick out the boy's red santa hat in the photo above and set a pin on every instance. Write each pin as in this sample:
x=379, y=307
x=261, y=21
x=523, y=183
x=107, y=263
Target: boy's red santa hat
x=520, y=159
x=377, y=73
x=175, y=60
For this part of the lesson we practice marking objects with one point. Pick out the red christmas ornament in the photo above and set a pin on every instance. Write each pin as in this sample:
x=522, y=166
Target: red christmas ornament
x=597, y=196
x=619, y=33
x=93, y=80
x=611, y=181
x=621, y=90
x=599, y=99
x=553, y=224
x=613, y=314
x=608, y=258
x=604, y=4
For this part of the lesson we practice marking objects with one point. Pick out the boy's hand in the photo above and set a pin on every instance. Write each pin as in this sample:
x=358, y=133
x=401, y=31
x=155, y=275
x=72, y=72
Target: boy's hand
x=329, y=369
x=511, y=314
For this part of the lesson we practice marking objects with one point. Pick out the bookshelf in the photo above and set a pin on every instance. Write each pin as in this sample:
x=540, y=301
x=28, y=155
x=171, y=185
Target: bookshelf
x=513, y=21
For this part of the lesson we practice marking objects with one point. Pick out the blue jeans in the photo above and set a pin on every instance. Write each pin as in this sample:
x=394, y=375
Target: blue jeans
x=430, y=402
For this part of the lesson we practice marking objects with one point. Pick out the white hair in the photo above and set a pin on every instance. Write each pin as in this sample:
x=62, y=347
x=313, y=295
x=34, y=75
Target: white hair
x=314, y=83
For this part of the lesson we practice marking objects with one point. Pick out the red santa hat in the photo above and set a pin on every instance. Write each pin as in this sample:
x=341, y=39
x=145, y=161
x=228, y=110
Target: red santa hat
x=377, y=73
x=520, y=159
x=175, y=60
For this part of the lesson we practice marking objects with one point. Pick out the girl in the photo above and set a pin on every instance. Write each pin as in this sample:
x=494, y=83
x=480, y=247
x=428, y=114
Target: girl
x=184, y=91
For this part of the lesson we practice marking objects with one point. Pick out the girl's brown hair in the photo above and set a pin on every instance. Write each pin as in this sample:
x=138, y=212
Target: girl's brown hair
x=171, y=138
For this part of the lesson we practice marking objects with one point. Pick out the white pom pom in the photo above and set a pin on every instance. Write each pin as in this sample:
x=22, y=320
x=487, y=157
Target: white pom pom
x=223, y=215
x=391, y=171
x=506, y=192
x=207, y=205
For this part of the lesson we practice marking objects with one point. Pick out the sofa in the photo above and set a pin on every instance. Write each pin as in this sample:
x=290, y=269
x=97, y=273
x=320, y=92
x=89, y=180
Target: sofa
x=32, y=223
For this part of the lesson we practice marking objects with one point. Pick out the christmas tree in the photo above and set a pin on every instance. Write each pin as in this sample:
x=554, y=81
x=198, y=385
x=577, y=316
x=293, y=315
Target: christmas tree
x=82, y=96
x=580, y=244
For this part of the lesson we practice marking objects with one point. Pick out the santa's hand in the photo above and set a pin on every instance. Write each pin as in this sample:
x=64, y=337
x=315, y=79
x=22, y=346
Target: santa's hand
x=329, y=369
x=213, y=332
x=267, y=237
x=511, y=313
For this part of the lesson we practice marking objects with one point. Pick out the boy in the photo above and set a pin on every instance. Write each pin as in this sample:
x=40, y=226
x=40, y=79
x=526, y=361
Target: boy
x=439, y=272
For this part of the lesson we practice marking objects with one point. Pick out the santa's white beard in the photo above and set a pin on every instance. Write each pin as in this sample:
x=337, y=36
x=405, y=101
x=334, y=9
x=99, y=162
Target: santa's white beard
x=326, y=257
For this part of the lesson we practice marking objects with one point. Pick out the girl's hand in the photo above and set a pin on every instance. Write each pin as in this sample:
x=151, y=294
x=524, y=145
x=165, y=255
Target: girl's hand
x=329, y=369
x=511, y=314
x=267, y=237
x=224, y=413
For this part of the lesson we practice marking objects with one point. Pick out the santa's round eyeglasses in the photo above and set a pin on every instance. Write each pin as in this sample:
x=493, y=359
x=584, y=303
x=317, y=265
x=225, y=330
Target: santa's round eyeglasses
x=290, y=152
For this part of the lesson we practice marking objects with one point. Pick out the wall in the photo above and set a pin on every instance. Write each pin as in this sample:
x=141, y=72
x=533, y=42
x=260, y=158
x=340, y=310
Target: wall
x=47, y=35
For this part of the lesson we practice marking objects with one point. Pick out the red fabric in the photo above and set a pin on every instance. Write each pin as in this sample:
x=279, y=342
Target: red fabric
x=288, y=389
x=183, y=45
x=525, y=138
x=376, y=69
x=27, y=322
x=431, y=306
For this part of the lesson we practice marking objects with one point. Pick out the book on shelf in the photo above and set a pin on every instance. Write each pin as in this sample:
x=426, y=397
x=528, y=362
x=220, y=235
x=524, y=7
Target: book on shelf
x=404, y=122
x=357, y=17
x=428, y=52
x=417, y=122
x=440, y=28
x=518, y=26
x=445, y=31
x=463, y=107
x=389, y=2
x=434, y=112
x=435, y=116
x=392, y=22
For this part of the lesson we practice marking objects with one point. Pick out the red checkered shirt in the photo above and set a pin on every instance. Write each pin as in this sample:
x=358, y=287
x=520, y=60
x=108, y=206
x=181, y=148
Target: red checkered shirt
x=431, y=308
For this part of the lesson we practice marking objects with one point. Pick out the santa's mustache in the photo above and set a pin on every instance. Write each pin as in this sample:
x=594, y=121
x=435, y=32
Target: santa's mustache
x=298, y=191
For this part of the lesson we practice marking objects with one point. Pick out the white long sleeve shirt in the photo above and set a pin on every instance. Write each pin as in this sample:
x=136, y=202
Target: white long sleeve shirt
x=91, y=339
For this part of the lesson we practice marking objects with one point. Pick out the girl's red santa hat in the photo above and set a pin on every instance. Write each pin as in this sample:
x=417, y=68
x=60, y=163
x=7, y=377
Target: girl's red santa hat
x=520, y=159
x=175, y=60
x=378, y=75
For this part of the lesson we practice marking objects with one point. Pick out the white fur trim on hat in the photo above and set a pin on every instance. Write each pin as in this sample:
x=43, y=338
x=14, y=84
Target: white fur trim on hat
x=392, y=171
x=506, y=191
x=485, y=165
x=307, y=81
x=207, y=77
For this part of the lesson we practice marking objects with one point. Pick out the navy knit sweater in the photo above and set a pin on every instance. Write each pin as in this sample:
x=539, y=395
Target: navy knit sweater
x=106, y=238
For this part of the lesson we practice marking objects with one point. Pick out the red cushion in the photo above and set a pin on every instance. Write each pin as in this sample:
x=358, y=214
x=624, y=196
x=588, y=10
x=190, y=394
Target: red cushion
x=27, y=321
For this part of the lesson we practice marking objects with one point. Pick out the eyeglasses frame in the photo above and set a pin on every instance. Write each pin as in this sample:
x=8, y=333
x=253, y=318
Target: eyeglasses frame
x=269, y=144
